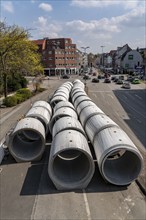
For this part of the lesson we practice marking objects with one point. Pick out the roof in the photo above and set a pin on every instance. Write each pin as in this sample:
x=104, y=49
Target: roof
x=40, y=42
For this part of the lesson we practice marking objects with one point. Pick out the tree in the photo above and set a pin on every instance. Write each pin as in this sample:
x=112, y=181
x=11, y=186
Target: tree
x=17, y=53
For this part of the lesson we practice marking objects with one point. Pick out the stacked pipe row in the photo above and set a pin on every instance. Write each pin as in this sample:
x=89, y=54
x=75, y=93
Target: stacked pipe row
x=70, y=164
x=119, y=160
x=27, y=140
x=61, y=94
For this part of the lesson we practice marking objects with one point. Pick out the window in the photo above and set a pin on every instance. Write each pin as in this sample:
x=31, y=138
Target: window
x=50, y=52
x=130, y=57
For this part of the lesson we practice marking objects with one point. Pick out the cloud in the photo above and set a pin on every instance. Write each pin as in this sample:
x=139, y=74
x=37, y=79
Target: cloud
x=8, y=6
x=127, y=4
x=47, y=28
x=45, y=7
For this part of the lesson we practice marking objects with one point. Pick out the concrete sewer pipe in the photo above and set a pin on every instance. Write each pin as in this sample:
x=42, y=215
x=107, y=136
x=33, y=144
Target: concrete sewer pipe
x=83, y=105
x=76, y=91
x=119, y=160
x=27, y=141
x=62, y=112
x=41, y=114
x=63, y=104
x=96, y=123
x=43, y=104
x=67, y=123
x=71, y=164
x=57, y=99
x=81, y=99
x=88, y=112
x=78, y=94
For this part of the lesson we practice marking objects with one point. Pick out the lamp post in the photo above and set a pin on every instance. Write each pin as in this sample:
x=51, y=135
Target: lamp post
x=85, y=48
x=102, y=55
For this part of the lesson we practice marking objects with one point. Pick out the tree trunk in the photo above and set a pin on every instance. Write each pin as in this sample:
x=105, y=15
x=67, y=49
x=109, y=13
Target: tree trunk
x=5, y=84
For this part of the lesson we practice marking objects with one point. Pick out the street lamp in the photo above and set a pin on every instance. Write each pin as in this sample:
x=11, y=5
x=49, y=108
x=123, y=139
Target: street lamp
x=85, y=48
x=102, y=55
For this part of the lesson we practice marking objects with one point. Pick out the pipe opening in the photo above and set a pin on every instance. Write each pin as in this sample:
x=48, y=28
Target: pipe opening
x=25, y=145
x=121, y=167
x=71, y=171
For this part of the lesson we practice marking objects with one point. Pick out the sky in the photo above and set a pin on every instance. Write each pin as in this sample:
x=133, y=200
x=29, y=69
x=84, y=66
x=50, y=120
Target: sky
x=89, y=23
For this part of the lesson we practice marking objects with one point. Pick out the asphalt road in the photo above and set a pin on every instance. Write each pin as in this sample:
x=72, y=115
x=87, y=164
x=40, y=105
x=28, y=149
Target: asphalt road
x=27, y=191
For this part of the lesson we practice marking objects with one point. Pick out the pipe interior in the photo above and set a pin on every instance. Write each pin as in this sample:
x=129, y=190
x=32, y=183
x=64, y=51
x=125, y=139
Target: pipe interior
x=69, y=154
x=73, y=170
x=24, y=147
x=121, y=167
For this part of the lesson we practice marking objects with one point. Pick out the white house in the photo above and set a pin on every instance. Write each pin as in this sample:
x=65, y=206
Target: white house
x=131, y=60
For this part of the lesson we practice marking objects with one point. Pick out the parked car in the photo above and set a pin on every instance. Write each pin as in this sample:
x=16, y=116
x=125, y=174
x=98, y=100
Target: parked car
x=119, y=82
x=130, y=78
x=116, y=79
x=121, y=77
x=126, y=85
x=86, y=77
x=107, y=80
x=95, y=80
x=136, y=81
x=65, y=76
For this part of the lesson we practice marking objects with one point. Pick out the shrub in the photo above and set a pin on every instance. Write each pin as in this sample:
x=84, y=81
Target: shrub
x=24, y=93
x=19, y=98
x=10, y=101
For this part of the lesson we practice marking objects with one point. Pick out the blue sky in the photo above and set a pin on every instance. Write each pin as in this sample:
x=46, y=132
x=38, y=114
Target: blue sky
x=93, y=23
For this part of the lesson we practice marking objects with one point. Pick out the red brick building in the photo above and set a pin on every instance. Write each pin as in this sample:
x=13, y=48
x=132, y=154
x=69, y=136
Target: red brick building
x=59, y=55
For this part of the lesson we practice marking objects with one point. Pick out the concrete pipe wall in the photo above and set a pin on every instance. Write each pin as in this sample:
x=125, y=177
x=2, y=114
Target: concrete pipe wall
x=1, y=153
x=67, y=123
x=27, y=141
x=78, y=83
x=63, y=104
x=119, y=160
x=80, y=99
x=78, y=94
x=41, y=114
x=44, y=104
x=78, y=89
x=56, y=100
x=83, y=105
x=62, y=112
x=70, y=164
x=97, y=123
x=61, y=93
x=87, y=112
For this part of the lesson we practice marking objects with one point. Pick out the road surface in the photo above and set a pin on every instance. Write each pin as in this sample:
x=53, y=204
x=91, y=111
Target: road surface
x=27, y=191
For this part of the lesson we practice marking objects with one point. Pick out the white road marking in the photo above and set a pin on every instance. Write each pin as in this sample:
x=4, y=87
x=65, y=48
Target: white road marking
x=110, y=96
x=138, y=96
x=87, y=205
x=138, y=120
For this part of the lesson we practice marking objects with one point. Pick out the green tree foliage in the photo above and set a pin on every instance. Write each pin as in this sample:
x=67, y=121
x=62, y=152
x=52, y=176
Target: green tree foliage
x=17, y=53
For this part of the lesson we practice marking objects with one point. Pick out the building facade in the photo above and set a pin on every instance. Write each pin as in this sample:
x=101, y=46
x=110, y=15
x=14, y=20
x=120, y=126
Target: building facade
x=58, y=55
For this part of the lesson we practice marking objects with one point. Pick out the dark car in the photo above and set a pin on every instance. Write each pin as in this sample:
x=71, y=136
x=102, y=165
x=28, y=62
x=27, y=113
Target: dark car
x=121, y=77
x=95, y=80
x=119, y=82
x=86, y=77
x=107, y=80
x=130, y=78
x=65, y=76
x=116, y=79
